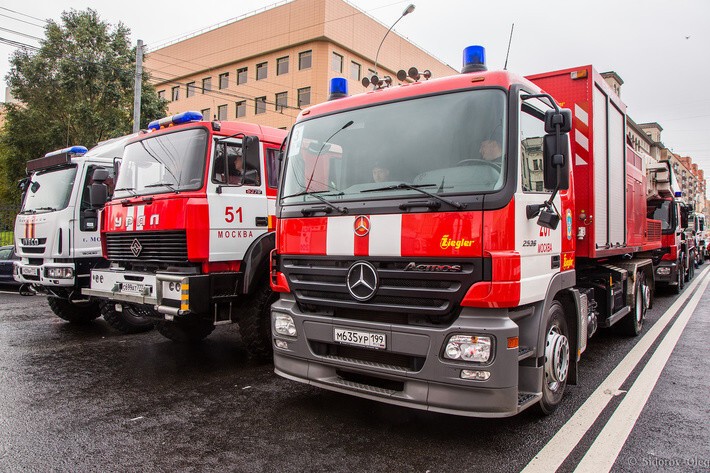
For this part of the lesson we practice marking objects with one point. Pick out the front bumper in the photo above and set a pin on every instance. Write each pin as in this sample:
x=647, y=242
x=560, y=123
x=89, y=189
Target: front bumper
x=26, y=273
x=433, y=384
x=671, y=268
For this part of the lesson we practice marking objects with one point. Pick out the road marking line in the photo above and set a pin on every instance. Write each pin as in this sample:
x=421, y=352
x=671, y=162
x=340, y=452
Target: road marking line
x=554, y=453
x=602, y=455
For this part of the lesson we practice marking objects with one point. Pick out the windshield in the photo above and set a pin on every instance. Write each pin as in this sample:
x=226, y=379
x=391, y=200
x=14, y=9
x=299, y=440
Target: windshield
x=661, y=210
x=446, y=144
x=49, y=190
x=170, y=162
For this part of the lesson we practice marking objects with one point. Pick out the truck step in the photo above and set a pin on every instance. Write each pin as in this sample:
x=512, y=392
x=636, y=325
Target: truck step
x=526, y=399
x=616, y=317
x=525, y=352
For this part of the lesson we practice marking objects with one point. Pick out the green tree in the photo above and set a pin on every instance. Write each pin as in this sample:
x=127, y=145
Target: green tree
x=77, y=89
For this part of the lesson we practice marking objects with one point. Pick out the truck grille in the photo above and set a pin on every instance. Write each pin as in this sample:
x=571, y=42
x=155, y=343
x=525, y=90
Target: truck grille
x=147, y=246
x=403, y=297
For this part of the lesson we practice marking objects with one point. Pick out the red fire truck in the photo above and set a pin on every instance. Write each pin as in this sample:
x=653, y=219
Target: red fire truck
x=188, y=231
x=451, y=244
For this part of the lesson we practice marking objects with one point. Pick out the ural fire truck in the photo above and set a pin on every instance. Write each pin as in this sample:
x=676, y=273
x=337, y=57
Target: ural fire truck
x=506, y=232
x=189, y=229
x=677, y=253
x=57, y=233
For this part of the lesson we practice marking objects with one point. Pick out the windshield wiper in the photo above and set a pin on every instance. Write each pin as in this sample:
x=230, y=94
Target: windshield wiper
x=50, y=209
x=130, y=190
x=418, y=188
x=342, y=210
x=162, y=184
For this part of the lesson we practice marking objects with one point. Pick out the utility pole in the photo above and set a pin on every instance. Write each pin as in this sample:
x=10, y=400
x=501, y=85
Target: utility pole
x=137, y=87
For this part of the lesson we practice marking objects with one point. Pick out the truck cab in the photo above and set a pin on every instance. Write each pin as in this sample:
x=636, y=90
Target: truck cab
x=189, y=228
x=57, y=231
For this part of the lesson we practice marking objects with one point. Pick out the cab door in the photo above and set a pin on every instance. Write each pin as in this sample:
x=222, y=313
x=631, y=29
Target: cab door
x=236, y=195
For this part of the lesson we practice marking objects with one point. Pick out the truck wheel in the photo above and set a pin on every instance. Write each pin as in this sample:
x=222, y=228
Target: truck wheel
x=130, y=320
x=680, y=279
x=557, y=360
x=632, y=324
x=74, y=312
x=185, y=332
x=691, y=267
x=255, y=322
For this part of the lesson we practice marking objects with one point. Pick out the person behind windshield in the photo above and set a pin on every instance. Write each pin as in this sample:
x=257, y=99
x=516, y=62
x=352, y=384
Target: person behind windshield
x=235, y=165
x=380, y=173
x=492, y=152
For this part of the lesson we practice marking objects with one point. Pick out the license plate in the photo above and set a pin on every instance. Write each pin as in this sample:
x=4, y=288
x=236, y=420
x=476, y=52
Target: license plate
x=30, y=271
x=359, y=338
x=132, y=287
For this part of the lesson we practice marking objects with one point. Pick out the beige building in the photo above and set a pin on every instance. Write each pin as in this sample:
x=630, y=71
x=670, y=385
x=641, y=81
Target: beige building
x=266, y=67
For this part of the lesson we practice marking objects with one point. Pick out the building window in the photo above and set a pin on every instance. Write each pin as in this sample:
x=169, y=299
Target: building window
x=282, y=66
x=241, y=109
x=206, y=84
x=336, y=63
x=176, y=93
x=260, y=105
x=224, y=80
x=304, y=60
x=222, y=112
x=161, y=94
x=242, y=75
x=304, y=96
x=281, y=101
x=206, y=114
x=262, y=70
x=355, y=71
x=190, y=89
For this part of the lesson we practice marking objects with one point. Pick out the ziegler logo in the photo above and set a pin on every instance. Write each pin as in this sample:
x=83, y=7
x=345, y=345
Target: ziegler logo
x=447, y=243
x=433, y=268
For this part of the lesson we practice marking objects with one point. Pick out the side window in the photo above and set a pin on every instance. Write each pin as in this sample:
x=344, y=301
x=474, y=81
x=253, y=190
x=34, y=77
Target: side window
x=229, y=167
x=272, y=167
x=532, y=132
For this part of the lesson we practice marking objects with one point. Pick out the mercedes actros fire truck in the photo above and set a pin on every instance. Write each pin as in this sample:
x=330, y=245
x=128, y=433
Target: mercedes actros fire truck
x=466, y=274
x=190, y=227
x=57, y=233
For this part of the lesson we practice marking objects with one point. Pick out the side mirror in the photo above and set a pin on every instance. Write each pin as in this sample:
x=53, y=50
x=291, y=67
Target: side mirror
x=116, y=167
x=684, y=213
x=100, y=175
x=98, y=195
x=556, y=162
x=562, y=118
x=252, y=156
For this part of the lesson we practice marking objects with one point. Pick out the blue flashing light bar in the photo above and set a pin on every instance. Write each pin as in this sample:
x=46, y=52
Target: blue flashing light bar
x=338, y=88
x=73, y=150
x=679, y=193
x=474, y=59
x=179, y=119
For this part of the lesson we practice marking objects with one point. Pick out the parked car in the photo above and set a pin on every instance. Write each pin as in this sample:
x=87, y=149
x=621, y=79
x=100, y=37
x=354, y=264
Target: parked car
x=7, y=258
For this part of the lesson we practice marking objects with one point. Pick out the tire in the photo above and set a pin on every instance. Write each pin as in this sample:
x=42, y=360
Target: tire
x=130, y=320
x=691, y=268
x=557, y=360
x=185, y=332
x=74, y=312
x=255, y=322
x=632, y=324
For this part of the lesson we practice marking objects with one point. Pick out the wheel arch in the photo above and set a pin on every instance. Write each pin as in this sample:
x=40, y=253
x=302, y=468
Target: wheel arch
x=256, y=261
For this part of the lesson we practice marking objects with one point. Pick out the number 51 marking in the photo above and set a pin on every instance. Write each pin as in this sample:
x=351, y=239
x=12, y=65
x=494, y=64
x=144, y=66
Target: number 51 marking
x=230, y=213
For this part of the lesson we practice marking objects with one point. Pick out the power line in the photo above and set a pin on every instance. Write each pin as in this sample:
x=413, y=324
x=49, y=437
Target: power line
x=24, y=14
x=23, y=21
x=18, y=44
x=20, y=34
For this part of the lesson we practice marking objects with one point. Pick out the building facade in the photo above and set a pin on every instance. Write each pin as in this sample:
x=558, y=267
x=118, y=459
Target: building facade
x=268, y=66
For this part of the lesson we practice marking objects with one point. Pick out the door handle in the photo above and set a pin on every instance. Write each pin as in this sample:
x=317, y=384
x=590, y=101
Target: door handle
x=262, y=221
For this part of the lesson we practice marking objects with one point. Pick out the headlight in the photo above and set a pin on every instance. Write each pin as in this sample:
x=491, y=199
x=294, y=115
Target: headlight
x=59, y=273
x=468, y=348
x=663, y=270
x=283, y=325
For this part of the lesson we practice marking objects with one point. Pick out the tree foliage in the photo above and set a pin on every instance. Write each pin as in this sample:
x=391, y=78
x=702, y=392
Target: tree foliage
x=77, y=89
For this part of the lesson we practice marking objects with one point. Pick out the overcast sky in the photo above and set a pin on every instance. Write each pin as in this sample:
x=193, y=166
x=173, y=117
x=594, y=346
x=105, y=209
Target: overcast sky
x=660, y=48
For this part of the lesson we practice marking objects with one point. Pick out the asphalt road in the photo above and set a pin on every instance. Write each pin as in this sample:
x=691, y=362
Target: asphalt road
x=87, y=398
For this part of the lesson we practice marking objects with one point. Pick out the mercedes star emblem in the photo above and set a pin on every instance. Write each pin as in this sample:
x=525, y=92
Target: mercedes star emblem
x=136, y=247
x=362, y=226
x=362, y=281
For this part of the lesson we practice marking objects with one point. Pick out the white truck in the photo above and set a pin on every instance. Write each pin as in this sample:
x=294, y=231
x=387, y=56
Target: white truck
x=57, y=233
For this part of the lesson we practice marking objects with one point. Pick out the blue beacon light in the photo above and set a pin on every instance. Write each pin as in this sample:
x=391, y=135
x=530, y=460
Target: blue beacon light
x=180, y=118
x=338, y=88
x=77, y=150
x=474, y=59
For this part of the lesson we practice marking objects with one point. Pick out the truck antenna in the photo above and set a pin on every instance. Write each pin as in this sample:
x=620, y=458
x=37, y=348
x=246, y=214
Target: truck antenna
x=510, y=40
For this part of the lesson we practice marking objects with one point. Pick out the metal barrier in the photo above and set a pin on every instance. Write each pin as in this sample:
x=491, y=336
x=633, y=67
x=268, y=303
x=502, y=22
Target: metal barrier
x=7, y=224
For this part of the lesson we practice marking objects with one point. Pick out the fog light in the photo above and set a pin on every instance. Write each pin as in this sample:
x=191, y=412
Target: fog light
x=281, y=344
x=468, y=348
x=283, y=325
x=475, y=375
x=663, y=270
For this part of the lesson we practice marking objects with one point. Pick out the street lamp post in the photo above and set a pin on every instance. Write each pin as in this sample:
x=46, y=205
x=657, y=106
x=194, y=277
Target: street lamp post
x=406, y=12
